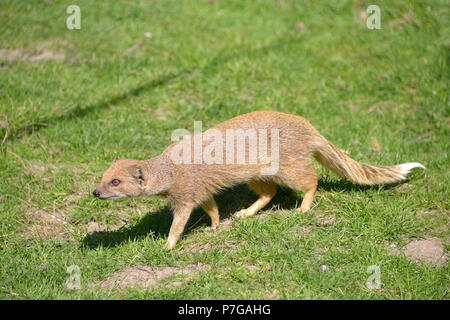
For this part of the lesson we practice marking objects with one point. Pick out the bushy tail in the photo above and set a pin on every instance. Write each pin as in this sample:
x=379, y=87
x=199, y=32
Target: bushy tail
x=337, y=161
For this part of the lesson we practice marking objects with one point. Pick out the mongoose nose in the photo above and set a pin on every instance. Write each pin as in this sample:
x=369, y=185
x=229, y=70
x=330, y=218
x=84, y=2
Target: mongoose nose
x=96, y=193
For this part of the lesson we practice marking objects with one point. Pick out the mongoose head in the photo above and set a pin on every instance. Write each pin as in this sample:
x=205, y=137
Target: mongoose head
x=124, y=178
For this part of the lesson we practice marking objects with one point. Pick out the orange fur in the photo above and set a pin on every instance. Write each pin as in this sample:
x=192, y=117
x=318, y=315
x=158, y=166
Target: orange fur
x=191, y=185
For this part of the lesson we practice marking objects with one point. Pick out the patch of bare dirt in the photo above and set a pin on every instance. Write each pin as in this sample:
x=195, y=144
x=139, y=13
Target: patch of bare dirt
x=35, y=169
x=429, y=250
x=433, y=212
x=274, y=295
x=225, y=224
x=93, y=227
x=13, y=54
x=38, y=170
x=47, y=224
x=251, y=267
x=196, y=248
x=303, y=230
x=145, y=276
x=58, y=43
x=325, y=219
x=48, y=55
x=203, y=247
x=73, y=198
x=43, y=51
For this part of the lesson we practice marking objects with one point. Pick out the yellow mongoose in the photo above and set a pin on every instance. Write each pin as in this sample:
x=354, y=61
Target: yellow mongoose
x=191, y=171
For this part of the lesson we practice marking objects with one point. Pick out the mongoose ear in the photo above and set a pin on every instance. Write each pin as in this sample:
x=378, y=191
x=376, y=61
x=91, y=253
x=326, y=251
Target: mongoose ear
x=115, y=159
x=138, y=174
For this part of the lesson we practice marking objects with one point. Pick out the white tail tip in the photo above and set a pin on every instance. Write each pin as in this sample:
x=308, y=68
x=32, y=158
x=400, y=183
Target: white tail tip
x=406, y=167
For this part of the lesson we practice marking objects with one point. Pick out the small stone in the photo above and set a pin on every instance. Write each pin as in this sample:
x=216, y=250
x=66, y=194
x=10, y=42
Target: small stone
x=323, y=268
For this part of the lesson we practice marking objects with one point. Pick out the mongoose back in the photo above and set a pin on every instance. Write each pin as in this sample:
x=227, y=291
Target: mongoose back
x=262, y=148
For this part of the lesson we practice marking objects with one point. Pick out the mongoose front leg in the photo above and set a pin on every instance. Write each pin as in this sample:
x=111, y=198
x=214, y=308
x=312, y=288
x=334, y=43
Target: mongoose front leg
x=180, y=218
x=211, y=209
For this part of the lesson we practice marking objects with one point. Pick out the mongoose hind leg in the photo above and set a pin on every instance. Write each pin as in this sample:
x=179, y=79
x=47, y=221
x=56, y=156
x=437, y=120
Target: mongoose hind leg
x=300, y=177
x=308, y=199
x=266, y=191
x=211, y=209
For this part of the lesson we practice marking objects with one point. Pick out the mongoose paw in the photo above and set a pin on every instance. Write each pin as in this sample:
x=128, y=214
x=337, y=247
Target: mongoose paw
x=241, y=214
x=205, y=229
x=169, y=246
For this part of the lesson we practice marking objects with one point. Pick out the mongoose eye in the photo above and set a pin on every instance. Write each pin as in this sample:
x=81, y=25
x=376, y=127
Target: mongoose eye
x=115, y=182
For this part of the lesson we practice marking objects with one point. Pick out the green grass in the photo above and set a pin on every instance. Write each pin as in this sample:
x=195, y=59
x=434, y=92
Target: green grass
x=374, y=93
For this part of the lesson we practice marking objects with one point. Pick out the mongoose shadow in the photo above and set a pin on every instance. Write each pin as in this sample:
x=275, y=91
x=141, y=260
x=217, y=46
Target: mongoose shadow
x=229, y=202
x=342, y=184
x=158, y=223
